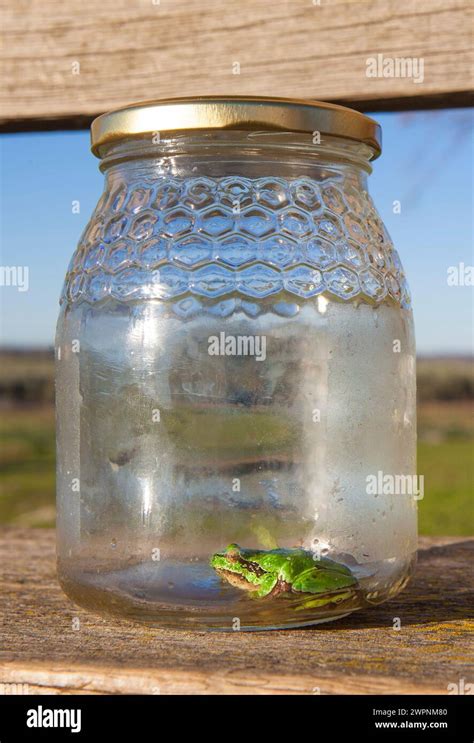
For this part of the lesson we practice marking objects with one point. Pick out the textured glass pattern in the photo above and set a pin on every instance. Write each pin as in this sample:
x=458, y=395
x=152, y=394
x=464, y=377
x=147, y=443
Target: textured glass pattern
x=191, y=238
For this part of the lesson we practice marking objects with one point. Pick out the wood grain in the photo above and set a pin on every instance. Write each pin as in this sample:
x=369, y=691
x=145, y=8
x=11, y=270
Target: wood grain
x=361, y=654
x=131, y=50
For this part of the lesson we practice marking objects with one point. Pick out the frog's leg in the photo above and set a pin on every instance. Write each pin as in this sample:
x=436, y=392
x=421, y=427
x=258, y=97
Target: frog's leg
x=316, y=580
x=266, y=586
x=327, y=564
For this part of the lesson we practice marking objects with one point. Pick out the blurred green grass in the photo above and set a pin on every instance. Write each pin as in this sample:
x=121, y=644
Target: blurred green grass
x=446, y=459
x=27, y=466
x=445, y=449
x=447, y=508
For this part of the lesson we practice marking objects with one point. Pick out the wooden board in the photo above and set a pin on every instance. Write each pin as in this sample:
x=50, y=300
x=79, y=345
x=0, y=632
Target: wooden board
x=361, y=654
x=129, y=51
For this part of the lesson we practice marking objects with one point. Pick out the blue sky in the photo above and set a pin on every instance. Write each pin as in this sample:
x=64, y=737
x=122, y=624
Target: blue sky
x=427, y=165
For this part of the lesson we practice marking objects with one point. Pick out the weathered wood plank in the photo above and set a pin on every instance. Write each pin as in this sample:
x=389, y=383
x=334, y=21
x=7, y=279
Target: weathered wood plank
x=129, y=51
x=362, y=654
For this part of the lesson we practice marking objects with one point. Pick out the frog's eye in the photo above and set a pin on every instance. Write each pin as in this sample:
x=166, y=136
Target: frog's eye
x=232, y=550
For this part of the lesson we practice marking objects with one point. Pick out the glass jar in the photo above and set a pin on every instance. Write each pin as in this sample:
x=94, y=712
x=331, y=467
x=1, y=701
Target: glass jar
x=235, y=372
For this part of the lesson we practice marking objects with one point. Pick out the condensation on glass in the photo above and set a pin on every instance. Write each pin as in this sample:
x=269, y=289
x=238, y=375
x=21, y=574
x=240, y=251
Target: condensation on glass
x=235, y=373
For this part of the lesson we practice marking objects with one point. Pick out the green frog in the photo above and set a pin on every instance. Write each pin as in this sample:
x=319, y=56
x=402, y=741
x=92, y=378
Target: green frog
x=286, y=571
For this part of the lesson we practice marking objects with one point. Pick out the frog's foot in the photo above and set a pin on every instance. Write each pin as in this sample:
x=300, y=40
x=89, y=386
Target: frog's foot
x=328, y=599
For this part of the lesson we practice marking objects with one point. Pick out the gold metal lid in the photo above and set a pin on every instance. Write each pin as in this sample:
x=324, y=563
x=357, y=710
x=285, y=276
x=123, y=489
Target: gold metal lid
x=234, y=112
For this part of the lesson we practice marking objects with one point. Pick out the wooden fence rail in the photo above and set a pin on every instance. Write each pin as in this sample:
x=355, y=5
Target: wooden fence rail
x=362, y=654
x=65, y=62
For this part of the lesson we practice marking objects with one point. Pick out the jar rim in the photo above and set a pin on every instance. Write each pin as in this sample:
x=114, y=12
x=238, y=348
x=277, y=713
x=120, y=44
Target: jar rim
x=248, y=113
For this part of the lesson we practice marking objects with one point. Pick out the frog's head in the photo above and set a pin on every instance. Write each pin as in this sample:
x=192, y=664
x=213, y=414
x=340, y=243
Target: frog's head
x=228, y=558
x=241, y=568
x=233, y=559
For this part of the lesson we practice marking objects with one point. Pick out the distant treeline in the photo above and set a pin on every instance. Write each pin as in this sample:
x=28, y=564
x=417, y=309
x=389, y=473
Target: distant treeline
x=445, y=378
x=27, y=378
